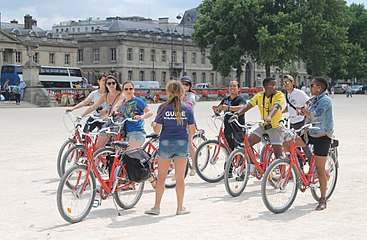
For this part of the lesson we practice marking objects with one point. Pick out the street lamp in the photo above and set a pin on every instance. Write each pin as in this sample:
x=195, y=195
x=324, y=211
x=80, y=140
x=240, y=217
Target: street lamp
x=188, y=18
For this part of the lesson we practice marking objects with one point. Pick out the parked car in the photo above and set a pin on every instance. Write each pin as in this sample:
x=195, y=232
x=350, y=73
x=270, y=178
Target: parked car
x=357, y=89
x=339, y=88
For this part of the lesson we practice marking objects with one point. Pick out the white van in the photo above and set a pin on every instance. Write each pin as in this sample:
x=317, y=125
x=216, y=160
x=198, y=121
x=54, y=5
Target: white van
x=202, y=85
x=145, y=84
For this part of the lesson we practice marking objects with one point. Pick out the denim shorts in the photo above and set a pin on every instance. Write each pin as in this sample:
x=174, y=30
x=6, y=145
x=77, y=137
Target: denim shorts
x=173, y=148
x=138, y=136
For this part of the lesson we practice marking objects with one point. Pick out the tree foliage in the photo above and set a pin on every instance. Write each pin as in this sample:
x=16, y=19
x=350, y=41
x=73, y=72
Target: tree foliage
x=329, y=36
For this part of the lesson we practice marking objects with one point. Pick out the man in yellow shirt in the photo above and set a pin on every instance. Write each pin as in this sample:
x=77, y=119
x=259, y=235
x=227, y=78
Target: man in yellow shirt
x=270, y=103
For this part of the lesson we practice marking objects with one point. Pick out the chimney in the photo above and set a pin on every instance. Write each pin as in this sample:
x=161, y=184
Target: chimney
x=14, y=21
x=28, y=22
x=163, y=20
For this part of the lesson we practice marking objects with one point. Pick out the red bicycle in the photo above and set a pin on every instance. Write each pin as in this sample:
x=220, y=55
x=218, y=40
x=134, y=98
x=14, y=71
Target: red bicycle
x=285, y=176
x=77, y=138
x=246, y=160
x=77, y=189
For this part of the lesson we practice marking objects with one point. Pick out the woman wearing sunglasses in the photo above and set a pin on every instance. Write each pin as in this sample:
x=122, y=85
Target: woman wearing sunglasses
x=109, y=98
x=133, y=107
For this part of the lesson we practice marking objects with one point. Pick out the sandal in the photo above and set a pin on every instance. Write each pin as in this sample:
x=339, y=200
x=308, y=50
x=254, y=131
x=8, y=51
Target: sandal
x=182, y=212
x=153, y=211
x=321, y=206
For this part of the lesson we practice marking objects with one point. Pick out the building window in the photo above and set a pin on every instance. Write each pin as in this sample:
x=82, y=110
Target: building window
x=174, y=56
x=73, y=29
x=78, y=29
x=184, y=57
x=152, y=75
x=164, y=56
x=113, y=54
x=193, y=59
x=152, y=55
x=130, y=75
x=141, y=76
x=194, y=79
x=67, y=59
x=203, y=77
x=164, y=77
x=92, y=29
x=18, y=57
x=86, y=29
x=36, y=57
x=80, y=55
x=129, y=54
x=51, y=58
x=141, y=55
x=95, y=55
x=203, y=59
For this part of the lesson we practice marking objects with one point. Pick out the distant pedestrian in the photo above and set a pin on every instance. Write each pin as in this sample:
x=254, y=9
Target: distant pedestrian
x=16, y=91
x=348, y=91
x=6, y=90
x=22, y=86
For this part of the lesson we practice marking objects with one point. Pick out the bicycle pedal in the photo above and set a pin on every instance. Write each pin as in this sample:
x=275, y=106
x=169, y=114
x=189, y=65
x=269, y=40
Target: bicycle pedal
x=97, y=203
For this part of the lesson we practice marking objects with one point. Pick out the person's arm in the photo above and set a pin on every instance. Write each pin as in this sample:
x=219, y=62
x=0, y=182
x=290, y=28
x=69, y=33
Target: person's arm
x=157, y=127
x=120, y=100
x=272, y=112
x=147, y=114
x=86, y=102
x=244, y=109
x=94, y=106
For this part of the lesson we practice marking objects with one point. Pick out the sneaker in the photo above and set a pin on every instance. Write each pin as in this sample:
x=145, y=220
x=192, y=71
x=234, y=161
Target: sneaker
x=240, y=178
x=192, y=172
x=153, y=211
x=182, y=212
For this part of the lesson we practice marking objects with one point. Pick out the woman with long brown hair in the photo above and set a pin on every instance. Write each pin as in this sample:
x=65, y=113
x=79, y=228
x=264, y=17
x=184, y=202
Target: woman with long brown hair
x=174, y=123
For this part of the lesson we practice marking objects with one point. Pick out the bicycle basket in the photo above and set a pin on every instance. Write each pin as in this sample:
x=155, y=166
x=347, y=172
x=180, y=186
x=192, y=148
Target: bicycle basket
x=136, y=163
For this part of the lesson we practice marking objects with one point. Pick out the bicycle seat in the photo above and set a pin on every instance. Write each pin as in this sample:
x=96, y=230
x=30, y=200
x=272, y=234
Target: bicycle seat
x=120, y=144
x=334, y=143
x=152, y=135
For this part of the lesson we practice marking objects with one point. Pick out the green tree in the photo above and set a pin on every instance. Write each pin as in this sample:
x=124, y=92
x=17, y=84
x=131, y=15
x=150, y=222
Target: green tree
x=324, y=37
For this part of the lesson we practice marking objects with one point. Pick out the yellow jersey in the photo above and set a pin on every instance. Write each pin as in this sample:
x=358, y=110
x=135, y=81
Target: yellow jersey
x=265, y=104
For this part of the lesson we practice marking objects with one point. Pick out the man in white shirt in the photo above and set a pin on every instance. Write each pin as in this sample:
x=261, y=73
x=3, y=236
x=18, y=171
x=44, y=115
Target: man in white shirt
x=295, y=98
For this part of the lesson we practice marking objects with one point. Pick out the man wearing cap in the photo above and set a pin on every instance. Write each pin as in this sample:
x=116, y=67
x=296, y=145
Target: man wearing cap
x=22, y=86
x=295, y=98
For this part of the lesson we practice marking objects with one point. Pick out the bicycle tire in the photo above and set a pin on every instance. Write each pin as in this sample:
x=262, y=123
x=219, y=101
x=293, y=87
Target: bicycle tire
x=134, y=191
x=332, y=170
x=237, y=172
x=71, y=157
x=66, y=208
x=205, y=164
x=103, y=168
x=64, y=147
x=272, y=186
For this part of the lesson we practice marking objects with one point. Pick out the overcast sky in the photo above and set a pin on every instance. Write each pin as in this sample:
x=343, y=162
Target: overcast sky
x=50, y=12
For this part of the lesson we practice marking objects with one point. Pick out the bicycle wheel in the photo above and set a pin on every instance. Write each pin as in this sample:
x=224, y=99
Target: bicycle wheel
x=278, y=194
x=129, y=197
x=75, y=203
x=237, y=172
x=64, y=147
x=198, y=139
x=331, y=168
x=210, y=158
x=72, y=156
x=154, y=142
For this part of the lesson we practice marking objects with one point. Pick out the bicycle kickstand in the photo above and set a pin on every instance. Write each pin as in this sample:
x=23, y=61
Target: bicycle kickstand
x=118, y=212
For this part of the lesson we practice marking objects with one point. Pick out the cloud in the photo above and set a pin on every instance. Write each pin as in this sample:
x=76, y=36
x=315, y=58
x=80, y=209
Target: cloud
x=47, y=13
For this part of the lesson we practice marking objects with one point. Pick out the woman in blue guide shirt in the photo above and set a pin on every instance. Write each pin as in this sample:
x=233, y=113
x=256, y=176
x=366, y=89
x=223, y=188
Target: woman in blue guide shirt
x=174, y=122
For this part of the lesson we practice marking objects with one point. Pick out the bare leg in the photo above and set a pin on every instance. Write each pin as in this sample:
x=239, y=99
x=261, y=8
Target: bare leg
x=180, y=167
x=163, y=165
x=320, y=167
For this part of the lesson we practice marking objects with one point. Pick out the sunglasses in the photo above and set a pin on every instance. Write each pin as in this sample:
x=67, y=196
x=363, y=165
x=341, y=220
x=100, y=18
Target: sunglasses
x=111, y=83
x=286, y=82
x=127, y=89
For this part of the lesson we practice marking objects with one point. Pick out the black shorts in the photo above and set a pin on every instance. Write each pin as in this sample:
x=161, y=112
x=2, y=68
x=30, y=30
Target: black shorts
x=321, y=145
